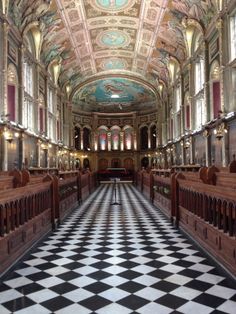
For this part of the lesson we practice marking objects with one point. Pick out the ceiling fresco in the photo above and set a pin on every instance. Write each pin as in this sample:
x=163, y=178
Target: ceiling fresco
x=89, y=38
x=109, y=95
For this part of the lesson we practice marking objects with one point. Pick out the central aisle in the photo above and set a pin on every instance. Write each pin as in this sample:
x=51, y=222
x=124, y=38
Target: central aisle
x=116, y=259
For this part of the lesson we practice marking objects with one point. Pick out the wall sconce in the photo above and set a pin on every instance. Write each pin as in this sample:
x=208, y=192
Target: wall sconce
x=206, y=133
x=8, y=136
x=220, y=131
x=187, y=144
x=44, y=146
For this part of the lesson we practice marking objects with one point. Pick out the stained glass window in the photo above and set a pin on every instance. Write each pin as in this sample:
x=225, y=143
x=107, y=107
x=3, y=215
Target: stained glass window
x=103, y=140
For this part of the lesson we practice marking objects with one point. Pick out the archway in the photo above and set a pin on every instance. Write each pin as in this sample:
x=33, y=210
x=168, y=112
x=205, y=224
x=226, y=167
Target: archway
x=129, y=164
x=102, y=164
x=144, y=137
x=144, y=162
x=116, y=163
x=86, y=163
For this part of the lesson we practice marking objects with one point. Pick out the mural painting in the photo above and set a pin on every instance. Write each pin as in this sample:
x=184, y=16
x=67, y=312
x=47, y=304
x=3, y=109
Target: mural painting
x=113, y=92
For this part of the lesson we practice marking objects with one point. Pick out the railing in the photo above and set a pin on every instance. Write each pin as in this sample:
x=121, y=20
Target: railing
x=23, y=205
x=202, y=203
x=30, y=211
x=214, y=205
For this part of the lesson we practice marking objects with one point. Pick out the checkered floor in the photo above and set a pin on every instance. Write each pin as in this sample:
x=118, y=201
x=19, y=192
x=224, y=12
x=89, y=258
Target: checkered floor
x=116, y=259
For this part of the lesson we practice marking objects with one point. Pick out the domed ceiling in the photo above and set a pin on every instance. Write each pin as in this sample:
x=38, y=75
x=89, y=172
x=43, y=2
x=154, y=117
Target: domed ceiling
x=114, y=94
x=94, y=38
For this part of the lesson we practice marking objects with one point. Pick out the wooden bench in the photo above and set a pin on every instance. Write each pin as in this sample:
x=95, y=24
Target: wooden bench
x=163, y=191
x=193, y=168
x=10, y=180
x=30, y=211
x=26, y=214
x=68, y=196
x=208, y=214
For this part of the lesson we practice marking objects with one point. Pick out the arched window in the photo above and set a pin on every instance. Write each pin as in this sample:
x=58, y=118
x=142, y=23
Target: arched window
x=77, y=137
x=102, y=139
x=153, y=137
x=12, y=93
x=187, y=112
x=232, y=40
x=51, y=105
x=215, y=90
x=115, y=138
x=200, y=109
x=145, y=162
x=58, y=125
x=86, y=163
x=86, y=138
x=28, y=107
x=41, y=115
x=128, y=138
x=177, y=112
x=144, y=137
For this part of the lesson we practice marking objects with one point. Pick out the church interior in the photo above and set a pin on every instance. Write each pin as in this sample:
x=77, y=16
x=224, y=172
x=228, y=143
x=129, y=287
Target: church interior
x=117, y=156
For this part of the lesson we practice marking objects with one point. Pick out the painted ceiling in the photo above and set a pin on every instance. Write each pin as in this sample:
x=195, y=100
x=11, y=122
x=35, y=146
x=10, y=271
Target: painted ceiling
x=96, y=38
x=114, y=94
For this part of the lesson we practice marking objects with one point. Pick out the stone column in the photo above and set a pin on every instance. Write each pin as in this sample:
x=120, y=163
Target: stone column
x=21, y=103
x=135, y=144
x=81, y=139
x=46, y=106
x=71, y=131
x=191, y=93
x=109, y=141
x=225, y=139
x=38, y=153
x=149, y=137
x=3, y=92
x=206, y=135
x=96, y=141
x=191, y=153
x=122, y=141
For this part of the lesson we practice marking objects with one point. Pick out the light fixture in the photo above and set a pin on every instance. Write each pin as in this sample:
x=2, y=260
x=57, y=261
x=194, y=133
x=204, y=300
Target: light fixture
x=187, y=144
x=115, y=96
x=8, y=136
x=220, y=131
x=44, y=146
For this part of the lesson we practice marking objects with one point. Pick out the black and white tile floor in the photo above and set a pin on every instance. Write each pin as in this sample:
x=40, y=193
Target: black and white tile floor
x=116, y=260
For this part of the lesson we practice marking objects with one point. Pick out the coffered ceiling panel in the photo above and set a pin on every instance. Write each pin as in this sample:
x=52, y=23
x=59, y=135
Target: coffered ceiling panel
x=94, y=39
x=113, y=34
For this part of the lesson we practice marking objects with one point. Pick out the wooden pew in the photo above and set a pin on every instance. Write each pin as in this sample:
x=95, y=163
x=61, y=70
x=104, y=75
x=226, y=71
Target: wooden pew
x=26, y=214
x=208, y=213
x=186, y=168
x=68, y=196
x=139, y=179
x=164, y=191
x=41, y=202
x=85, y=183
x=10, y=180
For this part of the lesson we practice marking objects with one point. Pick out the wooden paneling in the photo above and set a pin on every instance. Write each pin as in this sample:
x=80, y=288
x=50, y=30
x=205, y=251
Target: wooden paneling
x=199, y=150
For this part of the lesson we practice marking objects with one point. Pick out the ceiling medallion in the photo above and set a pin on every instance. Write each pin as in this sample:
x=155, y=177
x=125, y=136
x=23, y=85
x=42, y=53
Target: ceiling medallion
x=112, y=6
x=113, y=39
x=113, y=64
